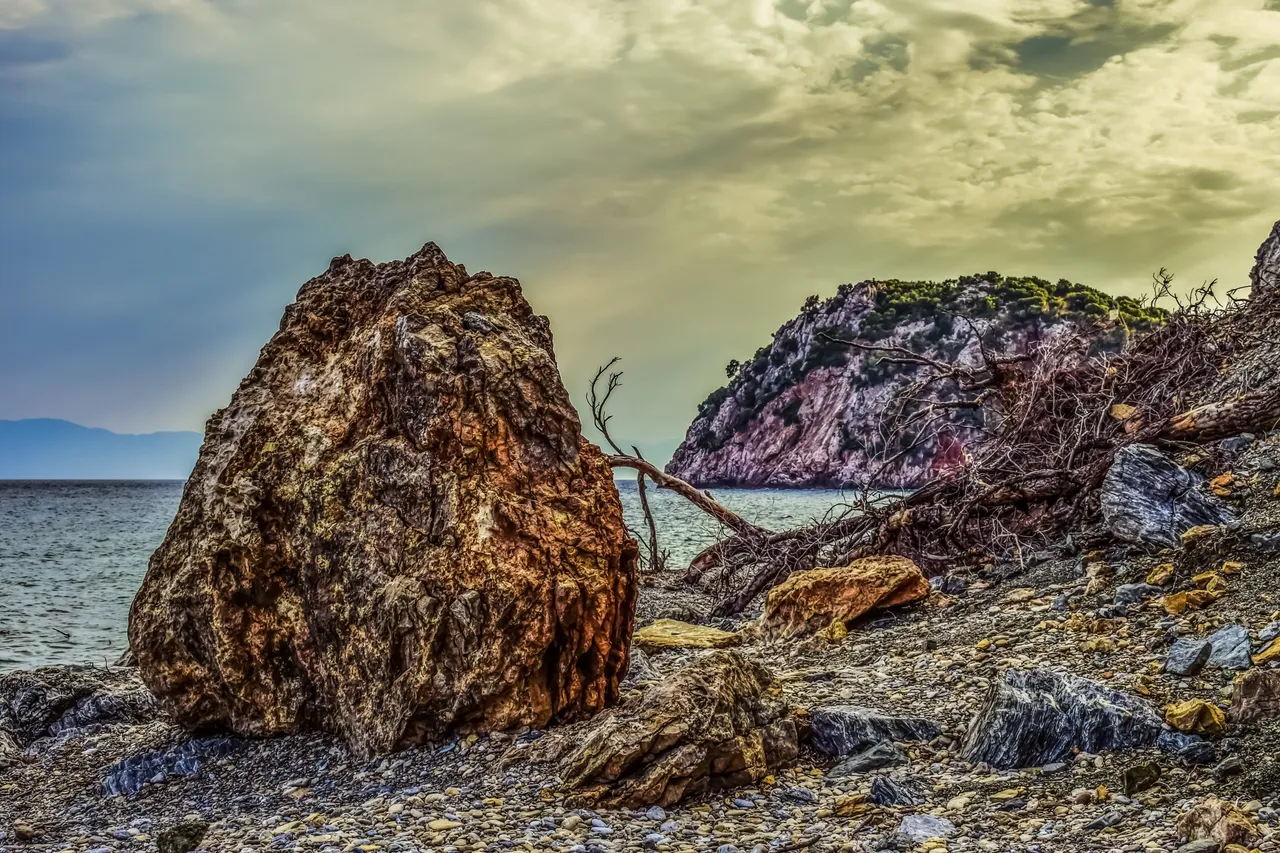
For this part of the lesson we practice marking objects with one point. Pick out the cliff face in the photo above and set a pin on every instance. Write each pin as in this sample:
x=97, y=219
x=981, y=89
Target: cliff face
x=807, y=411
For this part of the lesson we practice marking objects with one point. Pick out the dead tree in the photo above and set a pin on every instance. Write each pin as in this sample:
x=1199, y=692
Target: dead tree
x=1055, y=416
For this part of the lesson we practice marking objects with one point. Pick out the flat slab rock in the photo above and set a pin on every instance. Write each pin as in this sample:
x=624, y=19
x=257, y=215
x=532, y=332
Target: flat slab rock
x=395, y=528
x=1033, y=718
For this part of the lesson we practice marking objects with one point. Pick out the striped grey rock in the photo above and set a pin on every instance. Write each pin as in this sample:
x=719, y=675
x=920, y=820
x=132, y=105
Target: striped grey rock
x=1149, y=500
x=842, y=730
x=1031, y=718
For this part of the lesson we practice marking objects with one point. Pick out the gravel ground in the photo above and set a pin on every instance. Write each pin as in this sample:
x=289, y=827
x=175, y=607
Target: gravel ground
x=936, y=661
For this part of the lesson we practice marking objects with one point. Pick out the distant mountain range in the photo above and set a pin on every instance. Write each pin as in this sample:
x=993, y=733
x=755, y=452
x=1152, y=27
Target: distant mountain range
x=46, y=449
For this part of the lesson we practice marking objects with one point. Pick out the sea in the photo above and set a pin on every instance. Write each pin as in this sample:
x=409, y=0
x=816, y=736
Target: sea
x=72, y=554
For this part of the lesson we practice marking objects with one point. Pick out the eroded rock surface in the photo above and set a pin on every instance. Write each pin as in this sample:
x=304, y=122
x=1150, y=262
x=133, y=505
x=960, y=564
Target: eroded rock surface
x=811, y=600
x=47, y=702
x=1147, y=499
x=395, y=528
x=843, y=730
x=716, y=723
x=1036, y=717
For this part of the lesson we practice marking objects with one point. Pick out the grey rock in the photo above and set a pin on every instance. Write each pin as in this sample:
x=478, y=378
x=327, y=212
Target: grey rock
x=1190, y=748
x=641, y=669
x=57, y=700
x=1136, y=593
x=1269, y=632
x=1149, y=500
x=1111, y=818
x=920, y=828
x=1187, y=656
x=1228, y=767
x=1230, y=648
x=128, y=776
x=800, y=795
x=656, y=813
x=842, y=730
x=886, y=792
x=1032, y=718
x=883, y=754
x=1236, y=444
x=1204, y=845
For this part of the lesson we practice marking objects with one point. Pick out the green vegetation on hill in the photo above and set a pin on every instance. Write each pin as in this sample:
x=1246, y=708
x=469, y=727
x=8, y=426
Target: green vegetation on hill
x=1002, y=306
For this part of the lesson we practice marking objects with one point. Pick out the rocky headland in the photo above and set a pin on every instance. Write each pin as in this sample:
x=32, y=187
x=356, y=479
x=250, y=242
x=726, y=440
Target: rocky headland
x=398, y=611
x=807, y=410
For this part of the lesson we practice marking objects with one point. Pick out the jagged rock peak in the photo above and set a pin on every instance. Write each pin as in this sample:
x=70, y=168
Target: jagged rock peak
x=1265, y=275
x=395, y=528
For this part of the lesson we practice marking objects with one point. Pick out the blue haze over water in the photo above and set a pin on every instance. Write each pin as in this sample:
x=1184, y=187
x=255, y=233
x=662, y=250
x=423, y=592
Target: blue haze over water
x=73, y=553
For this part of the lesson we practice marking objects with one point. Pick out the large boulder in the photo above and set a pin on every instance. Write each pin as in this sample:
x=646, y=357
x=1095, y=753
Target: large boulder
x=1037, y=717
x=718, y=722
x=395, y=528
x=1149, y=500
x=811, y=600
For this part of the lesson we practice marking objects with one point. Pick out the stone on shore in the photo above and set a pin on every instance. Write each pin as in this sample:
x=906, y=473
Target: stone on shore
x=1230, y=647
x=395, y=528
x=842, y=730
x=719, y=722
x=1187, y=656
x=1147, y=499
x=1033, y=718
x=673, y=634
x=1255, y=695
x=1196, y=717
x=45, y=702
x=810, y=601
x=1217, y=820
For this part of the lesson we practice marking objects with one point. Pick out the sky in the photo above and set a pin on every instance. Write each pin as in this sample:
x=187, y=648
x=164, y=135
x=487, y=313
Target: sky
x=669, y=179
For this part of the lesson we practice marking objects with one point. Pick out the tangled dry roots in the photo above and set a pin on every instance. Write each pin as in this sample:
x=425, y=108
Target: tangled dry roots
x=1055, y=417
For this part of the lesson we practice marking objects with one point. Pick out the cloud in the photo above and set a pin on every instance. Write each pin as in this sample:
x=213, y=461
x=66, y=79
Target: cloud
x=669, y=178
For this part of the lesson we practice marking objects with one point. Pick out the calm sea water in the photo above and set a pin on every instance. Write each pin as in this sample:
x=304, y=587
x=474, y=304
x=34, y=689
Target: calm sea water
x=73, y=553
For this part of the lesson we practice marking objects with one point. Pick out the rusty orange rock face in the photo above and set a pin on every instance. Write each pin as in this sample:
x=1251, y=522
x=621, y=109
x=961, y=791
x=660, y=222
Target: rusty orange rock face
x=810, y=601
x=395, y=528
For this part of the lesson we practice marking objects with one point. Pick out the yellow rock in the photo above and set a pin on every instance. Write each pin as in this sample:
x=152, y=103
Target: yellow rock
x=1196, y=716
x=1020, y=595
x=853, y=805
x=1123, y=411
x=1009, y=794
x=1267, y=655
x=1232, y=567
x=441, y=824
x=835, y=632
x=1199, y=532
x=1098, y=644
x=807, y=602
x=1161, y=574
x=671, y=634
x=1221, y=484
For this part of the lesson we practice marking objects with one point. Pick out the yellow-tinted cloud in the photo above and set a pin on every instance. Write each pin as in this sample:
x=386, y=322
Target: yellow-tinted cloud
x=672, y=177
